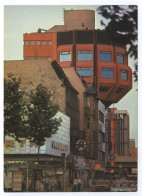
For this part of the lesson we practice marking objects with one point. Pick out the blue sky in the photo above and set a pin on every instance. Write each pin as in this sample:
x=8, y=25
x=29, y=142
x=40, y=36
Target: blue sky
x=20, y=19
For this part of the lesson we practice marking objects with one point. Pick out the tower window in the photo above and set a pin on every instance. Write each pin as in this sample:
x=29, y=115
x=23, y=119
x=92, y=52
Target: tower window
x=26, y=43
x=120, y=58
x=85, y=55
x=49, y=42
x=104, y=88
x=38, y=43
x=107, y=73
x=49, y=58
x=85, y=72
x=65, y=56
x=105, y=56
x=32, y=43
x=43, y=42
x=124, y=75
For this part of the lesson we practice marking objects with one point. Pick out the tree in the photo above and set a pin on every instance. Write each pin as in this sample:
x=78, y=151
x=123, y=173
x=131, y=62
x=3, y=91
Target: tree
x=41, y=122
x=122, y=25
x=13, y=108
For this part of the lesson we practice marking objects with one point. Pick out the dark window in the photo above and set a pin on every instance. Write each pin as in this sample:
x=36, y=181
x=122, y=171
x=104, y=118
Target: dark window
x=88, y=123
x=65, y=56
x=124, y=75
x=107, y=73
x=104, y=88
x=105, y=56
x=120, y=58
x=65, y=38
x=85, y=55
x=103, y=37
x=101, y=116
x=85, y=72
x=119, y=90
x=85, y=37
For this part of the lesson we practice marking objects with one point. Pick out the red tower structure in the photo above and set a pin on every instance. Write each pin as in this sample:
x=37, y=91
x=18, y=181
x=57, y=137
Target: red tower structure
x=78, y=44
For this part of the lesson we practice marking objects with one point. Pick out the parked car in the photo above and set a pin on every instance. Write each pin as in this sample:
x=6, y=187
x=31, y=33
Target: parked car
x=100, y=186
x=124, y=186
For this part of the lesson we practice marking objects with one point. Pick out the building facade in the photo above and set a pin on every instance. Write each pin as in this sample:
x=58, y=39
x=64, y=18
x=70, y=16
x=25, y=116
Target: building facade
x=117, y=134
x=91, y=52
x=21, y=160
x=34, y=72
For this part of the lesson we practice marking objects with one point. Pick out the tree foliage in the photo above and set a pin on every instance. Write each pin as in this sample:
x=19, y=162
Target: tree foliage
x=34, y=120
x=41, y=122
x=13, y=108
x=122, y=25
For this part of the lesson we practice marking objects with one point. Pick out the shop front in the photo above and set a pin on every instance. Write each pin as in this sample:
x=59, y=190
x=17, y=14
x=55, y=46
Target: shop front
x=23, y=164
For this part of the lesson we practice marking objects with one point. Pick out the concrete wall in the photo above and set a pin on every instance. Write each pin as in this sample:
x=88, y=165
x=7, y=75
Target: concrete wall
x=73, y=19
x=34, y=72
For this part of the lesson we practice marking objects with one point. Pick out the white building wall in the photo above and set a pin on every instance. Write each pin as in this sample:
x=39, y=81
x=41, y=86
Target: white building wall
x=61, y=142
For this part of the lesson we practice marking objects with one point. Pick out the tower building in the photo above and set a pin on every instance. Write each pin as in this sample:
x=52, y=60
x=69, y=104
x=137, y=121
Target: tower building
x=90, y=51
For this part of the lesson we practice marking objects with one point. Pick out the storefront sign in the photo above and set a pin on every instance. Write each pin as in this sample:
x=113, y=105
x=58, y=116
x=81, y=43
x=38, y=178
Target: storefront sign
x=59, y=146
x=17, y=181
x=111, y=116
x=55, y=145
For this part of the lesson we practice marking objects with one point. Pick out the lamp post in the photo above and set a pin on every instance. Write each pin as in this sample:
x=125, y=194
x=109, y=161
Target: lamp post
x=63, y=155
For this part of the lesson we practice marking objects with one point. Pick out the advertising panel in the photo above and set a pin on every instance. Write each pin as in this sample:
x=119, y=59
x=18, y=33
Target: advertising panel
x=55, y=145
x=17, y=181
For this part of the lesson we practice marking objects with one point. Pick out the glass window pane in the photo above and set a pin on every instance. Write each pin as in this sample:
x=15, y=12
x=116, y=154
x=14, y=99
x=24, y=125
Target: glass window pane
x=124, y=75
x=105, y=56
x=49, y=58
x=64, y=56
x=49, y=42
x=120, y=58
x=107, y=73
x=85, y=72
x=37, y=42
x=32, y=43
x=43, y=42
x=26, y=43
x=85, y=55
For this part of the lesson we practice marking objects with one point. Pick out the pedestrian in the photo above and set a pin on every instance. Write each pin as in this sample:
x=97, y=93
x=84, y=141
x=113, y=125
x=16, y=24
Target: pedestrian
x=42, y=188
x=59, y=185
x=79, y=185
x=38, y=185
x=75, y=183
x=24, y=183
x=55, y=185
x=47, y=184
